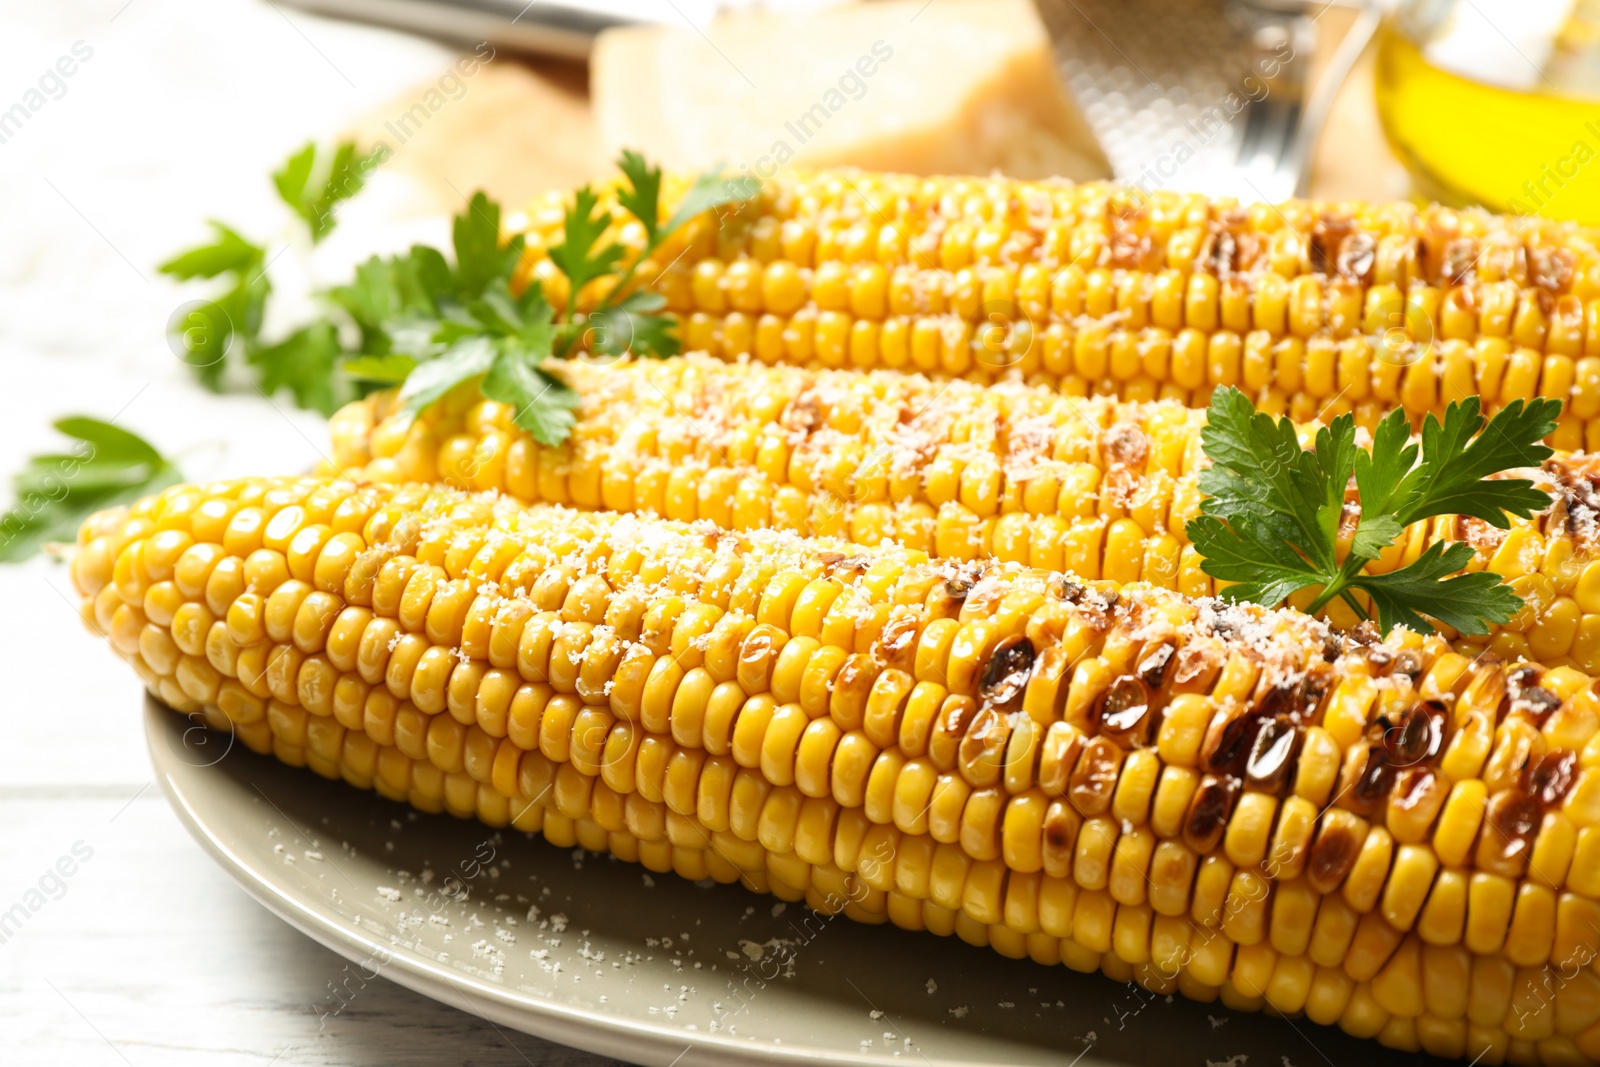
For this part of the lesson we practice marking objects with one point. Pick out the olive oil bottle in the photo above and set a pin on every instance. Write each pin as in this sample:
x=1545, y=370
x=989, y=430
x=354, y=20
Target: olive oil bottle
x=1496, y=103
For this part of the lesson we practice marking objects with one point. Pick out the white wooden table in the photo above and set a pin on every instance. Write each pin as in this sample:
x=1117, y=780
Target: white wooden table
x=147, y=953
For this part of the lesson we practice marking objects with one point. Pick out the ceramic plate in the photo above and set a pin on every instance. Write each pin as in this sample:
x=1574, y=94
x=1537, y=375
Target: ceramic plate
x=602, y=955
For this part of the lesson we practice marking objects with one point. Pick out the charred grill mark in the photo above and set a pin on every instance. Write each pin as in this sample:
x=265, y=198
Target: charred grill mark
x=1126, y=445
x=1060, y=829
x=1332, y=856
x=1487, y=687
x=899, y=642
x=1156, y=664
x=1227, y=743
x=1457, y=263
x=1550, y=269
x=982, y=751
x=1357, y=256
x=1548, y=778
x=1225, y=252
x=1063, y=589
x=1273, y=754
x=854, y=682
x=1418, y=789
x=804, y=413
x=1124, y=711
x=1094, y=779
x=1132, y=251
x=1510, y=823
x=1417, y=736
x=946, y=598
x=1430, y=248
x=1208, y=813
x=1524, y=677
x=1005, y=676
x=958, y=715
x=1328, y=234
x=1219, y=253
x=1318, y=684
x=1536, y=703
x=1283, y=698
x=1370, y=783
x=1195, y=663
x=837, y=563
x=1365, y=635
x=1576, y=493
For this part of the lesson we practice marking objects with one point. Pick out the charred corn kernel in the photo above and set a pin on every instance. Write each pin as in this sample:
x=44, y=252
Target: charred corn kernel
x=1275, y=822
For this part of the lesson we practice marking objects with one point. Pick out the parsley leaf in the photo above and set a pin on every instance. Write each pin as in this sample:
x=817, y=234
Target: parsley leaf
x=576, y=256
x=1468, y=602
x=1271, y=513
x=1260, y=473
x=545, y=405
x=304, y=363
x=504, y=339
x=313, y=190
x=480, y=257
x=379, y=370
x=1252, y=554
x=290, y=180
x=55, y=492
x=709, y=192
x=642, y=198
x=552, y=412
x=634, y=323
x=433, y=378
x=626, y=319
x=208, y=331
x=229, y=252
x=1453, y=476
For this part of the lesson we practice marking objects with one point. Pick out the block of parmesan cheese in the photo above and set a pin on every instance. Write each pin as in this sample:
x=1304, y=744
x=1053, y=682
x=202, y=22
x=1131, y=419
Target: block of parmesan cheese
x=941, y=87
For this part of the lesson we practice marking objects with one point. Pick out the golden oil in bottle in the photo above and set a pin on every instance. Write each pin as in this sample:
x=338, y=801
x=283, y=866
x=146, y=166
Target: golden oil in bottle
x=1497, y=103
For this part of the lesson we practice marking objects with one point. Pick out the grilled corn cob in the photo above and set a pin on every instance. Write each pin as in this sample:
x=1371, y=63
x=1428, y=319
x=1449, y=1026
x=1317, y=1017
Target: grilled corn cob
x=1097, y=289
x=950, y=468
x=1094, y=487
x=1225, y=802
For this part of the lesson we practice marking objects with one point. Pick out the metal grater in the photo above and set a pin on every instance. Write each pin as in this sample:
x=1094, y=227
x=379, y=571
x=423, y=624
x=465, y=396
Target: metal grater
x=1207, y=96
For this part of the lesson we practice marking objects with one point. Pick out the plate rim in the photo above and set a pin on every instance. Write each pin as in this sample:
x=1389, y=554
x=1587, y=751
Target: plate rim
x=634, y=1041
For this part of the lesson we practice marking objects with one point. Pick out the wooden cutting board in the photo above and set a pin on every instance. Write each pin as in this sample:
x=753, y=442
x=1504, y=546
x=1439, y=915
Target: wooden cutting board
x=525, y=127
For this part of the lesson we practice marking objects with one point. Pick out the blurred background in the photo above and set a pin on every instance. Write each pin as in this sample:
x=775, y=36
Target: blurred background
x=126, y=124
x=1490, y=102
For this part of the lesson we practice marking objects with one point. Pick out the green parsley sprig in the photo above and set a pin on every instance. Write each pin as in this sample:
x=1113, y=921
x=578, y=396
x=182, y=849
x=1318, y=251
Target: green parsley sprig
x=105, y=465
x=480, y=327
x=1271, y=512
x=312, y=184
x=427, y=324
